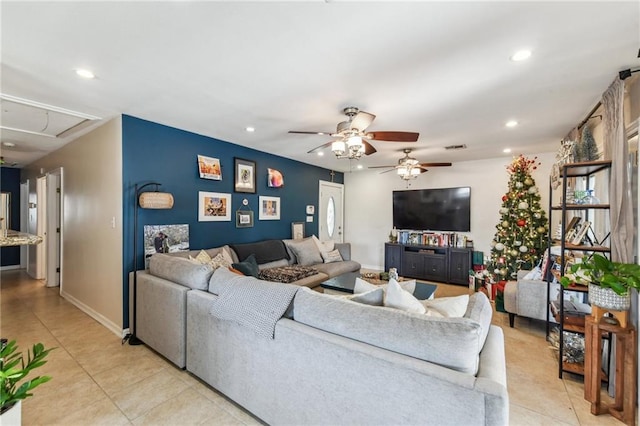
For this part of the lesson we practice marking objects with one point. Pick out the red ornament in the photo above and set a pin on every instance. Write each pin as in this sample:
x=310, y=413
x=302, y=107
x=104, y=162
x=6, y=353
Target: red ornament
x=505, y=198
x=521, y=222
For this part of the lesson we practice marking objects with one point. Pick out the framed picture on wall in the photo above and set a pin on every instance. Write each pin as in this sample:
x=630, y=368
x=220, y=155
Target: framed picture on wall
x=244, y=219
x=214, y=206
x=275, y=179
x=245, y=176
x=297, y=230
x=164, y=239
x=269, y=208
x=209, y=168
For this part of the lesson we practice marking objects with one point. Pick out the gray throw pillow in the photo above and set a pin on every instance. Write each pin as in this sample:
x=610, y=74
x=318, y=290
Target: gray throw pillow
x=306, y=252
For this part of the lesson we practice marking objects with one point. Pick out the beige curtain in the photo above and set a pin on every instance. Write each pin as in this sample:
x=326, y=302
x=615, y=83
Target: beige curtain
x=616, y=150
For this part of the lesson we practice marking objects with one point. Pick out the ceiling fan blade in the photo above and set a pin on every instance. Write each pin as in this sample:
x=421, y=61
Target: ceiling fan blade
x=394, y=136
x=368, y=148
x=318, y=148
x=381, y=167
x=434, y=164
x=362, y=120
x=387, y=171
x=309, y=133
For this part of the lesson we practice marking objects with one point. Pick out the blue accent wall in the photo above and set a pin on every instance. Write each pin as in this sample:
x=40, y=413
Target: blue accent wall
x=153, y=152
x=10, y=182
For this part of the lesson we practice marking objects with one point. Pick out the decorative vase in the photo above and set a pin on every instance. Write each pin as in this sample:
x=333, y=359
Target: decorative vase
x=13, y=416
x=608, y=299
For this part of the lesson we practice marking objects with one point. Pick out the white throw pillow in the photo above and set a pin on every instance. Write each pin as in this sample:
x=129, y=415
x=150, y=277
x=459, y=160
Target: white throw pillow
x=331, y=256
x=363, y=286
x=401, y=299
x=448, y=307
x=324, y=246
x=371, y=297
x=202, y=257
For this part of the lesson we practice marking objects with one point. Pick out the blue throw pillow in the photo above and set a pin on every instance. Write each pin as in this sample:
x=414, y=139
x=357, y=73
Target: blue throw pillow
x=249, y=266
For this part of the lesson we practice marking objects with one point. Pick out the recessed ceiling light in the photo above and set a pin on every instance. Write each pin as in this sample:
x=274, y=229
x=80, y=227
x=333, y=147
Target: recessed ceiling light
x=250, y=129
x=320, y=153
x=8, y=144
x=521, y=55
x=506, y=150
x=85, y=73
x=511, y=123
x=359, y=166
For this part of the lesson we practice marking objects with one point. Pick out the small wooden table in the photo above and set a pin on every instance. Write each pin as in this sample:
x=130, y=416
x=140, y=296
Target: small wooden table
x=624, y=406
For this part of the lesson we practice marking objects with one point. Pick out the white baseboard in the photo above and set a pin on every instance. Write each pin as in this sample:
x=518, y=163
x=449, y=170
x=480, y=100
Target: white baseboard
x=9, y=267
x=113, y=327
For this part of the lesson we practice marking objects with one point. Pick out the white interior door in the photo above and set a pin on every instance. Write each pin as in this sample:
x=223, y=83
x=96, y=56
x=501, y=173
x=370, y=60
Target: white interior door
x=24, y=221
x=53, y=223
x=331, y=212
x=41, y=227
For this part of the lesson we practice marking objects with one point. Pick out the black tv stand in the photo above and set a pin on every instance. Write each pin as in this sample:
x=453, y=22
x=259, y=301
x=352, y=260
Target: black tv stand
x=432, y=263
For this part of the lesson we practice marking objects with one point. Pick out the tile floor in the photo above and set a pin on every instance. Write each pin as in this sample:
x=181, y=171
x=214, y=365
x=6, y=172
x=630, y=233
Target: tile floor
x=96, y=380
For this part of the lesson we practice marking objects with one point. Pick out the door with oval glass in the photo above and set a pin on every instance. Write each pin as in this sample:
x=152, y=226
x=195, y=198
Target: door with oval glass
x=330, y=216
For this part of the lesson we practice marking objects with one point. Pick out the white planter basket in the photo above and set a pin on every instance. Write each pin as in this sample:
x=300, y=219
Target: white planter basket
x=13, y=416
x=608, y=299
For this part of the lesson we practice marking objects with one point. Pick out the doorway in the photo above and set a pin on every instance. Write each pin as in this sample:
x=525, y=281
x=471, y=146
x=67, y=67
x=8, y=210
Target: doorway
x=331, y=211
x=54, y=227
x=24, y=221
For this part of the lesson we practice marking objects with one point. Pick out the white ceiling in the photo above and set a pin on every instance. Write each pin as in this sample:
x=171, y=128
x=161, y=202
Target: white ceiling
x=438, y=68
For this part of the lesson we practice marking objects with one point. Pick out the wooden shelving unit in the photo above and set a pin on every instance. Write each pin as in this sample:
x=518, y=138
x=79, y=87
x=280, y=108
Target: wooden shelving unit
x=567, y=322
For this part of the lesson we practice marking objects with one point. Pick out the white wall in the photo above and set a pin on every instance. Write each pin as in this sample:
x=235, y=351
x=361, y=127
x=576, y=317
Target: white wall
x=368, y=201
x=92, y=248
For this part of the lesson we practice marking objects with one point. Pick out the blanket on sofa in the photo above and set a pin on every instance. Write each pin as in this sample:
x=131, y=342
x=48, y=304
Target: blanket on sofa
x=250, y=302
x=287, y=274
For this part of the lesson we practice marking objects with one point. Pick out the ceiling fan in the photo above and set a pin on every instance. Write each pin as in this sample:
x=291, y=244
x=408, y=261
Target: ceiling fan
x=409, y=167
x=351, y=138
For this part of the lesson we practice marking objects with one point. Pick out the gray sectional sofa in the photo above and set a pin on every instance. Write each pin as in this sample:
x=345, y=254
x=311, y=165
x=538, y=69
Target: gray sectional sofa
x=294, y=356
x=162, y=289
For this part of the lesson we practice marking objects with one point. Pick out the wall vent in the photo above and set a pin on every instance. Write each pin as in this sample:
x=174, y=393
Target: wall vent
x=456, y=147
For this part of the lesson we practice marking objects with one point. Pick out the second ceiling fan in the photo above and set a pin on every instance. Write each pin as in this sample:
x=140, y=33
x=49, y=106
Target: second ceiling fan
x=351, y=138
x=408, y=167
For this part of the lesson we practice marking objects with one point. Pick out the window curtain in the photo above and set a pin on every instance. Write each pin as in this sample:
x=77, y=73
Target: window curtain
x=616, y=150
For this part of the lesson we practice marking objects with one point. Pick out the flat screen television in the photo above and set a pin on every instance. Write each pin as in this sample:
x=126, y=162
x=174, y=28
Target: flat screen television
x=442, y=209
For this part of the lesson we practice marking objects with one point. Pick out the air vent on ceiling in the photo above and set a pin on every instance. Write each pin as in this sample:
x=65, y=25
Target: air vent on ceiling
x=456, y=147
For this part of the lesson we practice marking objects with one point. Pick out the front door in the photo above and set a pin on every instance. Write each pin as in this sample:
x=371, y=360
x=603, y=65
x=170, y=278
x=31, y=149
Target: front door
x=330, y=217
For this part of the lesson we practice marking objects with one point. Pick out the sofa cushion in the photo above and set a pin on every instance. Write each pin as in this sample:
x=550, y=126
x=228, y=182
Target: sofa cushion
x=338, y=268
x=248, y=267
x=264, y=251
x=306, y=252
x=451, y=342
x=180, y=270
x=479, y=310
x=287, y=274
x=220, y=259
x=274, y=264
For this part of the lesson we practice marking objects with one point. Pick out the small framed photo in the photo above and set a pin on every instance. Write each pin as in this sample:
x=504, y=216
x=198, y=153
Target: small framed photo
x=269, y=208
x=214, y=206
x=245, y=176
x=275, y=179
x=209, y=168
x=311, y=209
x=297, y=230
x=244, y=219
x=581, y=233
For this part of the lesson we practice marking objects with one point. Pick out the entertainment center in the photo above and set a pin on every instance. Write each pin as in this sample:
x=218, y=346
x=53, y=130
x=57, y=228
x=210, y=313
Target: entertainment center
x=438, y=256
x=435, y=263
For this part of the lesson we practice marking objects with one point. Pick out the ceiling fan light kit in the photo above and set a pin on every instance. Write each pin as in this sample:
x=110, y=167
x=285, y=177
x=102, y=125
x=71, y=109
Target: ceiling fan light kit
x=351, y=139
x=408, y=167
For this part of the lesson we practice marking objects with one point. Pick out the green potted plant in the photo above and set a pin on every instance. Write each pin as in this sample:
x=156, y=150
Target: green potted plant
x=609, y=282
x=13, y=371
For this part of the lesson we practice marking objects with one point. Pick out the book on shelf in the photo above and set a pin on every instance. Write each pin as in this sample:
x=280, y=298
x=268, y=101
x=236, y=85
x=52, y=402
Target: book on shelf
x=429, y=238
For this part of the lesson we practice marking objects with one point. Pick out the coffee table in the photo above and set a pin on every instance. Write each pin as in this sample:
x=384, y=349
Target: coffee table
x=346, y=282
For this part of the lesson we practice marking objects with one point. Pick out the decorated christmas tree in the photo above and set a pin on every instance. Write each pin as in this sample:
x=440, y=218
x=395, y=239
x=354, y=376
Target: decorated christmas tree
x=521, y=233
